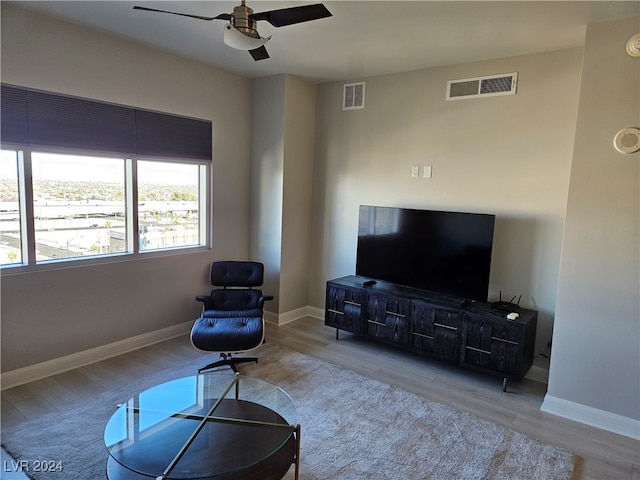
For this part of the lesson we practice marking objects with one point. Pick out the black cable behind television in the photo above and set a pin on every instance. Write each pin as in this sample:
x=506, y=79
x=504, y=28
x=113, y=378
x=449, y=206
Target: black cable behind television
x=444, y=252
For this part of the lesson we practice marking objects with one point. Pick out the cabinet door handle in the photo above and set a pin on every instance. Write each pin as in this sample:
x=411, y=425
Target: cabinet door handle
x=394, y=314
x=478, y=350
x=423, y=335
x=455, y=329
x=376, y=323
x=336, y=311
x=505, y=340
x=348, y=302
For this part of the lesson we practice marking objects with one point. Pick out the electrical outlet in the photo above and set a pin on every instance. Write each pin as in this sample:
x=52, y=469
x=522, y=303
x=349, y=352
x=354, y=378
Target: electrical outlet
x=415, y=171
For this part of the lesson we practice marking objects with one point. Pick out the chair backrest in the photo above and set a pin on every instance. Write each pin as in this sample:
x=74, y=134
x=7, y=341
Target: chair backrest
x=237, y=274
x=228, y=299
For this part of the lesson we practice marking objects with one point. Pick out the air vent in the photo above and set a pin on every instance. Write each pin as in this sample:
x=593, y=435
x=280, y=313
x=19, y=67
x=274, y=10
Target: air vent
x=353, y=96
x=488, y=86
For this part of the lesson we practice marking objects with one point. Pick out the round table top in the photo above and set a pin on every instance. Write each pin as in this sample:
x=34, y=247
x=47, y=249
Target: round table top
x=202, y=426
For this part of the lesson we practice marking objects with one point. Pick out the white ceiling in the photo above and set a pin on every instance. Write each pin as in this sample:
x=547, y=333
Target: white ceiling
x=361, y=39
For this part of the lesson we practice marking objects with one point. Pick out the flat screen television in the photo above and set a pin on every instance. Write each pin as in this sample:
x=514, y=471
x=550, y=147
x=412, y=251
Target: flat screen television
x=444, y=252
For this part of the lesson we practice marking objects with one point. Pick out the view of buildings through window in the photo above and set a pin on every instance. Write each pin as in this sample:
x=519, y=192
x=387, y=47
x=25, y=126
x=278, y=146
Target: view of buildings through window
x=168, y=205
x=80, y=206
x=10, y=231
x=77, y=203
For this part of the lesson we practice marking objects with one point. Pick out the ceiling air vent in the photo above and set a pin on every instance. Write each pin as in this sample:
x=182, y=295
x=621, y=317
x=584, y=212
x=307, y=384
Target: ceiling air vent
x=353, y=96
x=488, y=86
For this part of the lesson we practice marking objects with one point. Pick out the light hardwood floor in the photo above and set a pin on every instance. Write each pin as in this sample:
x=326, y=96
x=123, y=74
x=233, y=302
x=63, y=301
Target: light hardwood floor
x=603, y=455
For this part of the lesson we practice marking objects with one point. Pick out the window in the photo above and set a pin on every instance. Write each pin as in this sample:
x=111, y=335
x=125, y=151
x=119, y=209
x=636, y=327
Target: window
x=81, y=179
x=78, y=205
x=168, y=205
x=10, y=214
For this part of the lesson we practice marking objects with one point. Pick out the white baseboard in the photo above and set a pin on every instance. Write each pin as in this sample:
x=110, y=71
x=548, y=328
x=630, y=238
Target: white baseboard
x=595, y=417
x=316, y=312
x=38, y=371
x=291, y=315
x=538, y=373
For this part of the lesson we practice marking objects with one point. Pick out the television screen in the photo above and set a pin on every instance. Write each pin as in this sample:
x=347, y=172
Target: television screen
x=445, y=252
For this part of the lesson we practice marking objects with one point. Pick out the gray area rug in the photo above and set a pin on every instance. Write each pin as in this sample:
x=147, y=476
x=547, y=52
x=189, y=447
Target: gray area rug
x=352, y=428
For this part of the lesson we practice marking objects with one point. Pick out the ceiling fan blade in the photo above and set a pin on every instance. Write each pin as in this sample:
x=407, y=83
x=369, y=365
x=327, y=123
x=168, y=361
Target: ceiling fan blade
x=289, y=16
x=259, y=53
x=222, y=16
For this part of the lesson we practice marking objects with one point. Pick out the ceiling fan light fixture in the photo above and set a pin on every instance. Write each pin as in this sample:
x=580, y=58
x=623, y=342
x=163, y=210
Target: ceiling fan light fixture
x=238, y=40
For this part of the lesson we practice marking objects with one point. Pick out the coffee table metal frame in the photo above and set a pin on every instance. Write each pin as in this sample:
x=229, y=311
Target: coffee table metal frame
x=210, y=416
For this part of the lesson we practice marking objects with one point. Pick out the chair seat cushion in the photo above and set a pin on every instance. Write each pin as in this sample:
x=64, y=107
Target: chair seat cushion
x=227, y=335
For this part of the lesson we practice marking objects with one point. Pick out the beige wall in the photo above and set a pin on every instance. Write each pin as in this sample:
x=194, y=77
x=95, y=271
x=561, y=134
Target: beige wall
x=283, y=116
x=267, y=177
x=300, y=111
x=596, y=360
x=46, y=315
x=509, y=155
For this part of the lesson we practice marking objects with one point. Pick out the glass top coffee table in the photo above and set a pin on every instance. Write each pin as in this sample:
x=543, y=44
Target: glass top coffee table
x=209, y=426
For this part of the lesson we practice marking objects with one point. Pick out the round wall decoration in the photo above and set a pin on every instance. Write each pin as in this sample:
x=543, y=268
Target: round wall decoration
x=633, y=46
x=627, y=140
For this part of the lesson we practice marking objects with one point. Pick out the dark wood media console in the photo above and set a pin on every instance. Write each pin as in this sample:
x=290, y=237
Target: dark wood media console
x=470, y=334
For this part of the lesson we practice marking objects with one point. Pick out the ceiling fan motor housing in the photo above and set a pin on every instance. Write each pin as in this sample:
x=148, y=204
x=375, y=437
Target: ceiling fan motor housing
x=242, y=21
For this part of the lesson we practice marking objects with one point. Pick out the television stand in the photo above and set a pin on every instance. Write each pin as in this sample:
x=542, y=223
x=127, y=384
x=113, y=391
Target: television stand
x=471, y=334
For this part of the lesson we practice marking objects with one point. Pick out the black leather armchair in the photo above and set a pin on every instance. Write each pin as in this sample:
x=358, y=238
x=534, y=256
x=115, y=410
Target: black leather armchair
x=232, y=319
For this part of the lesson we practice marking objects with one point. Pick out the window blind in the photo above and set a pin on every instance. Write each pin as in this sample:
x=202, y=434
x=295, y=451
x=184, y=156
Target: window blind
x=13, y=115
x=37, y=118
x=159, y=134
x=58, y=121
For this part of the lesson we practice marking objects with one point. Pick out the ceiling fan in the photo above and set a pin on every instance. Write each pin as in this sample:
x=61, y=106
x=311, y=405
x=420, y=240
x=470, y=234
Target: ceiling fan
x=241, y=32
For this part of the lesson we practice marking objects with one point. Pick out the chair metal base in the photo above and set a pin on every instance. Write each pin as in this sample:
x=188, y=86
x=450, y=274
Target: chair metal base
x=226, y=359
